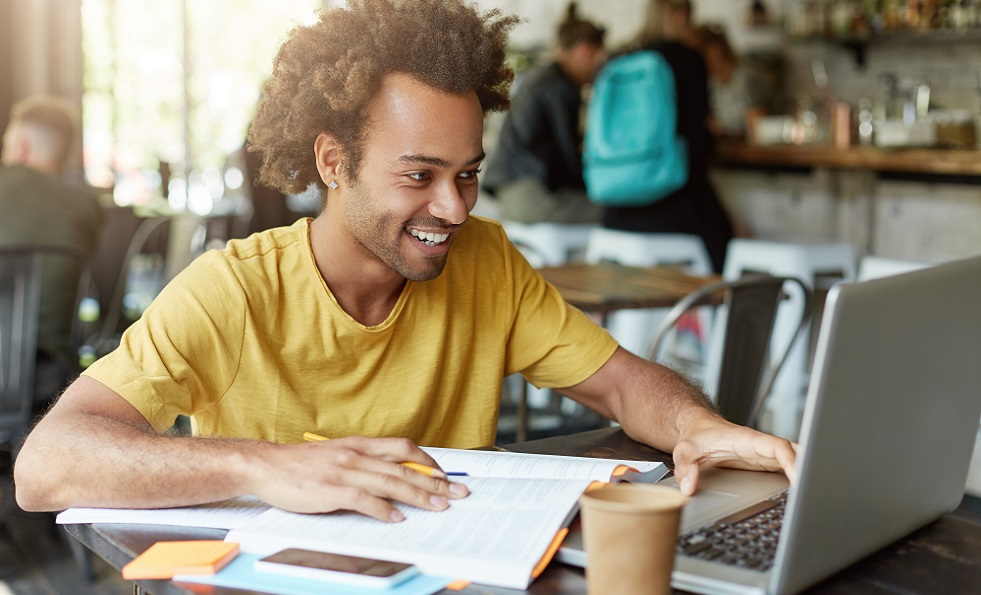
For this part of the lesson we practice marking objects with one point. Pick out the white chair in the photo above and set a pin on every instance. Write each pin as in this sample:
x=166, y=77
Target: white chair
x=873, y=267
x=817, y=264
x=648, y=249
x=556, y=243
x=634, y=329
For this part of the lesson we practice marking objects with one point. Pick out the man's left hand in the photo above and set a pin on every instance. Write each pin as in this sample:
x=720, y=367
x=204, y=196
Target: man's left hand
x=714, y=442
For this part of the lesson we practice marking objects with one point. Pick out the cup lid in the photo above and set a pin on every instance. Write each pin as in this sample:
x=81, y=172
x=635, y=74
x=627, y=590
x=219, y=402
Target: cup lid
x=634, y=497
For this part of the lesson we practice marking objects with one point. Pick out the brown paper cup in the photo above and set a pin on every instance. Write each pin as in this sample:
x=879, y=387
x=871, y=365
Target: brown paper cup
x=630, y=532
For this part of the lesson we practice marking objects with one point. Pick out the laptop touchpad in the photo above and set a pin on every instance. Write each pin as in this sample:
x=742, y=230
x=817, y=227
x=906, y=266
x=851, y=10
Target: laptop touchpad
x=705, y=502
x=724, y=491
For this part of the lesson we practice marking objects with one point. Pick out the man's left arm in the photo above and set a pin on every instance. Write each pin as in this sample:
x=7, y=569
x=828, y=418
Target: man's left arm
x=658, y=407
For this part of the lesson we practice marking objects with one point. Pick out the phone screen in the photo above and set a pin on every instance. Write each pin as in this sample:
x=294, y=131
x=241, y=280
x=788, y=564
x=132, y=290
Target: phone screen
x=337, y=563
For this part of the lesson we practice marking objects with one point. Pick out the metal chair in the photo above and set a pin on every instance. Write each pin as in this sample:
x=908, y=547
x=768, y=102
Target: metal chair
x=150, y=241
x=214, y=232
x=20, y=305
x=21, y=272
x=819, y=265
x=634, y=329
x=746, y=368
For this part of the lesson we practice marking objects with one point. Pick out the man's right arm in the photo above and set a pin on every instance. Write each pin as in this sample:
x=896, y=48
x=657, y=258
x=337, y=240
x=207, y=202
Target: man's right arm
x=95, y=449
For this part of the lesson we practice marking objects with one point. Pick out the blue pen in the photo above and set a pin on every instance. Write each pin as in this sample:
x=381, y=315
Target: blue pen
x=457, y=474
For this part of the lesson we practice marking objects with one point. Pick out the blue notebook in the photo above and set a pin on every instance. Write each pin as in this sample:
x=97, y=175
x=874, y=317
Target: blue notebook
x=240, y=573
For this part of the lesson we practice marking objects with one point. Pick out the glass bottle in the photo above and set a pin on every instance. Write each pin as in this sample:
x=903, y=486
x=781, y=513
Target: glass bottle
x=865, y=127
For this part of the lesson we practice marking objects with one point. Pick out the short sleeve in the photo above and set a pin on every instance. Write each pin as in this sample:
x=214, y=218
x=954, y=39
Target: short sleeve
x=182, y=355
x=551, y=343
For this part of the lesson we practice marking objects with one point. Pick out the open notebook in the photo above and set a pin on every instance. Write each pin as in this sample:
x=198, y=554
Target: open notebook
x=887, y=436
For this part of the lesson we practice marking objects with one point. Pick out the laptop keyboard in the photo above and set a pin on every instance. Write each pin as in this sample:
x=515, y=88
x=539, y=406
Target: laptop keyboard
x=747, y=538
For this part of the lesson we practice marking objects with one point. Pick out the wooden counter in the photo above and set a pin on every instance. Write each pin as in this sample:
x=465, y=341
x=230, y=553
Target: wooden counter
x=913, y=161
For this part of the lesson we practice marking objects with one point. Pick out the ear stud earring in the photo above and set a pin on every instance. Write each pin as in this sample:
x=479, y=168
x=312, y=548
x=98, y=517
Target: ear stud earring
x=332, y=185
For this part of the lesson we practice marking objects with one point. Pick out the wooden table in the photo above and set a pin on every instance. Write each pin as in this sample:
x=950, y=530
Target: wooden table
x=943, y=557
x=605, y=287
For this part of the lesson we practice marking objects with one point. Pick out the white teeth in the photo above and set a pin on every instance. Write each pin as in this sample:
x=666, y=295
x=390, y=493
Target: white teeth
x=429, y=238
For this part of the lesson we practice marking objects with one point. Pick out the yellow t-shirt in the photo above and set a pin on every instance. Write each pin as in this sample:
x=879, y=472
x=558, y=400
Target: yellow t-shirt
x=249, y=342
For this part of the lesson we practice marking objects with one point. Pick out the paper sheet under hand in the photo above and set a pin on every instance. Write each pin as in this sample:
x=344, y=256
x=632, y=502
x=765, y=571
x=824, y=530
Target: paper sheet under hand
x=227, y=514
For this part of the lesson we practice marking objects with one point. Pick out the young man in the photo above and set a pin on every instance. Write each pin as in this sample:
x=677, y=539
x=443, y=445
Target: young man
x=388, y=320
x=536, y=170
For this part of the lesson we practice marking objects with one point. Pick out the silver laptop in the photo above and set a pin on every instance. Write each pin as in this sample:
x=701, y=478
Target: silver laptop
x=887, y=437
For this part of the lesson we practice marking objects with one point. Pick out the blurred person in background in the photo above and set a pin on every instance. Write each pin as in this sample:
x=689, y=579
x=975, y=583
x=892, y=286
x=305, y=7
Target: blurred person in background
x=670, y=20
x=694, y=208
x=40, y=207
x=733, y=104
x=536, y=169
x=721, y=62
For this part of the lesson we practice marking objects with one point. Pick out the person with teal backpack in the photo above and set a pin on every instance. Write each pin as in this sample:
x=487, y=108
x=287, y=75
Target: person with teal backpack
x=633, y=154
x=645, y=178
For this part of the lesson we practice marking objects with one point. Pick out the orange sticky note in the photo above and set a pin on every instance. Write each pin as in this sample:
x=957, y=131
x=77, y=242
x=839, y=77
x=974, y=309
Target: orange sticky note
x=164, y=559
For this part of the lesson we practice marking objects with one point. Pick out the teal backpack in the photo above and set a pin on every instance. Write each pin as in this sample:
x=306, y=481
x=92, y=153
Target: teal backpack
x=632, y=154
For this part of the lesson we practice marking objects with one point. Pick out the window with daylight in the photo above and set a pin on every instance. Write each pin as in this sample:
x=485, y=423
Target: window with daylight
x=170, y=88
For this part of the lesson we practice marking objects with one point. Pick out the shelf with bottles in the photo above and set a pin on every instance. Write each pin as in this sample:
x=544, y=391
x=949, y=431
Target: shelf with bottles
x=858, y=44
x=863, y=22
x=903, y=36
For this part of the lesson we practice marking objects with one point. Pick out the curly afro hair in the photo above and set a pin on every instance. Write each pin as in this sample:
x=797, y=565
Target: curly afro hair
x=325, y=74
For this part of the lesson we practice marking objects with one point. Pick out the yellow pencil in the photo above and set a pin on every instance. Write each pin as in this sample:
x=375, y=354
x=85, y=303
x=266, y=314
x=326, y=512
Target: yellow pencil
x=424, y=469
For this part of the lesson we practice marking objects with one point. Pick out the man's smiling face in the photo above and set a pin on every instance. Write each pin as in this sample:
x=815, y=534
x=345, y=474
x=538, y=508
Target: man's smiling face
x=417, y=180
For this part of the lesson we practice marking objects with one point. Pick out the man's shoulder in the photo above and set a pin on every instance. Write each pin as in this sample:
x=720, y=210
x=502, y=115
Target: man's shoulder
x=268, y=243
x=14, y=172
x=32, y=198
x=263, y=257
x=20, y=179
x=25, y=180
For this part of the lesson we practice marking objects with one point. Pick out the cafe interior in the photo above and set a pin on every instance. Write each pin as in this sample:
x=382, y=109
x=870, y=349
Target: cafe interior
x=847, y=147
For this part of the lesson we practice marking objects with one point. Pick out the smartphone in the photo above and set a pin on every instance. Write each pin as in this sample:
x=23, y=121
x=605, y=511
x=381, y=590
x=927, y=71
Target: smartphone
x=338, y=568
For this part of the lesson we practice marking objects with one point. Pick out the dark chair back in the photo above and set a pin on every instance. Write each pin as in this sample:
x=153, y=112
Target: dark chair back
x=151, y=239
x=747, y=367
x=214, y=232
x=21, y=271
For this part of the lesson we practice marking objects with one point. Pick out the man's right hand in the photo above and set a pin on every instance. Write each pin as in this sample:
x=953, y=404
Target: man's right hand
x=353, y=473
x=95, y=449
